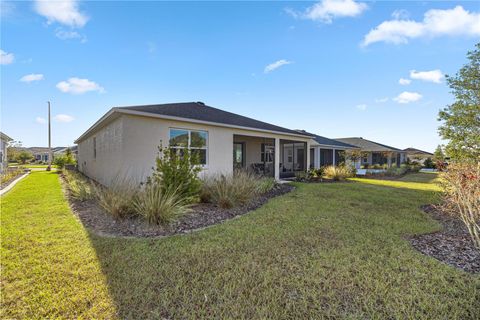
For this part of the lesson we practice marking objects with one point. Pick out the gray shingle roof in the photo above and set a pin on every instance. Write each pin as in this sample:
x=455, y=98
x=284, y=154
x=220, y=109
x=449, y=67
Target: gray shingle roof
x=367, y=145
x=328, y=142
x=202, y=112
x=417, y=151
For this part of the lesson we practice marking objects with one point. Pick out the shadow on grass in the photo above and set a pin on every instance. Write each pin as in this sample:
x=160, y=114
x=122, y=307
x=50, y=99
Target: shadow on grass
x=310, y=245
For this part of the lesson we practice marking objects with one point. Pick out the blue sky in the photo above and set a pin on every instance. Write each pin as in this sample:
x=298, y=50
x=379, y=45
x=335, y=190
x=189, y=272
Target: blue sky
x=330, y=67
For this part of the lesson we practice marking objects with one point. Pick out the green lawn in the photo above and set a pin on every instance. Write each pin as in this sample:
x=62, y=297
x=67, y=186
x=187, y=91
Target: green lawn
x=324, y=250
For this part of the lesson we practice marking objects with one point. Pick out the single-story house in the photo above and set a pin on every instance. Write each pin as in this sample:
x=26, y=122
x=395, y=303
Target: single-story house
x=124, y=142
x=60, y=151
x=417, y=155
x=4, y=140
x=374, y=153
x=326, y=152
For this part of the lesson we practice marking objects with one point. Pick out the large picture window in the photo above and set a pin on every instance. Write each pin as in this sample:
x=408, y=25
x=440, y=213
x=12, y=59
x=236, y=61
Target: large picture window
x=194, y=140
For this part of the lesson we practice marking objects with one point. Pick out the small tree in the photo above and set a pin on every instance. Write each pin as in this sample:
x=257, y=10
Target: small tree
x=438, y=155
x=461, y=120
x=354, y=155
x=461, y=183
x=23, y=157
x=177, y=171
x=13, y=150
x=428, y=163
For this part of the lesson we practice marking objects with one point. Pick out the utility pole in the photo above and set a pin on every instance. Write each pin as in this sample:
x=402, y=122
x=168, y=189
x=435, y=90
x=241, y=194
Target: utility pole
x=49, y=140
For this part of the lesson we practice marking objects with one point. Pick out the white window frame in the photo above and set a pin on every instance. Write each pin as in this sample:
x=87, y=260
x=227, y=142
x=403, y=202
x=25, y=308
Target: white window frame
x=206, y=148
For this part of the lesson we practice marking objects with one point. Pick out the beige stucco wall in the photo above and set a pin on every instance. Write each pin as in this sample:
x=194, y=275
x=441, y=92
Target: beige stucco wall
x=128, y=146
x=109, y=163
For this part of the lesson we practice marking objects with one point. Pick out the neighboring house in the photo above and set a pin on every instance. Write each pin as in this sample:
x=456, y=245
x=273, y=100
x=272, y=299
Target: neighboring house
x=376, y=153
x=124, y=142
x=417, y=155
x=4, y=140
x=59, y=151
x=39, y=153
x=326, y=152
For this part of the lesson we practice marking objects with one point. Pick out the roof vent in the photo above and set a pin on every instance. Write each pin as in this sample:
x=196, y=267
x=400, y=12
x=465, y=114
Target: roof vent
x=200, y=103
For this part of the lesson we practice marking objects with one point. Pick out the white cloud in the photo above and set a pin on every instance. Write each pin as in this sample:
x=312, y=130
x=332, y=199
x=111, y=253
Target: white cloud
x=404, y=81
x=381, y=100
x=40, y=120
x=327, y=10
x=436, y=23
x=400, y=14
x=362, y=107
x=6, y=58
x=276, y=65
x=407, y=97
x=32, y=77
x=67, y=35
x=63, y=118
x=78, y=86
x=435, y=76
x=65, y=12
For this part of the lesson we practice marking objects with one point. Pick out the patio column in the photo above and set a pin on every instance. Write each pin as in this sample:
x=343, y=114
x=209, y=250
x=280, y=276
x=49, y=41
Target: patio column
x=334, y=163
x=317, y=157
x=307, y=154
x=276, y=163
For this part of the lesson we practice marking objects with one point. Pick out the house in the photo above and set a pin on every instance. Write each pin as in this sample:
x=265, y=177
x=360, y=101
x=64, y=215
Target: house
x=60, y=151
x=417, y=155
x=326, y=152
x=374, y=153
x=124, y=142
x=4, y=140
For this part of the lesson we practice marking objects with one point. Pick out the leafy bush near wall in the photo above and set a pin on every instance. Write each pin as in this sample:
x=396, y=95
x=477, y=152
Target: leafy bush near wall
x=396, y=171
x=177, y=172
x=160, y=206
x=80, y=188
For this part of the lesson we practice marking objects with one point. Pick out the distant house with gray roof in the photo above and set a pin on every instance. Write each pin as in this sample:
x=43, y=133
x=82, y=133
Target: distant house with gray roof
x=375, y=153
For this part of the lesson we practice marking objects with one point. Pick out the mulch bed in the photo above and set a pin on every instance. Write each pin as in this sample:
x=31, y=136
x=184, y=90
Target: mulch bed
x=5, y=184
x=202, y=215
x=452, y=245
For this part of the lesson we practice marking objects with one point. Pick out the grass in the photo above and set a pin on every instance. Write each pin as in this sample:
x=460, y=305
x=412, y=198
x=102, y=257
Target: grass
x=322, y=251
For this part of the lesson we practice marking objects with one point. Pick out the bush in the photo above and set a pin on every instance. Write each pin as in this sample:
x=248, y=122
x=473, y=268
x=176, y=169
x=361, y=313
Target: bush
x=80, y=188
x=396, y=171
x=175, y=172
x=9, y=175
x=117, y=199
x=428, y=163
x=461, y=184
x=159, y=206
x=230, y=191
x=265, y=184
x=338, y=173
x=62, y=160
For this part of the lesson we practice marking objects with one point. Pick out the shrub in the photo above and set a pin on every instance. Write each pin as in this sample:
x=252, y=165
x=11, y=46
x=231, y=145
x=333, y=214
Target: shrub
x=80, y=188
x=396, y=171
x=428, y=163
x=338, y=173
x=461, y=184
x=177, y=172
x=117, y=199
x=62, y=160
x=230, y=191
x=265, y=184
x=159, y=206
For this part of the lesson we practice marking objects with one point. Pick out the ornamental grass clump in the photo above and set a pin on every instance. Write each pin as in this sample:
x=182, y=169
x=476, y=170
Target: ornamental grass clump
x=117, y=199
x=461, y=183
x=159, y=206
x=228, y=191
x=80, y=188
x=338, y=173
